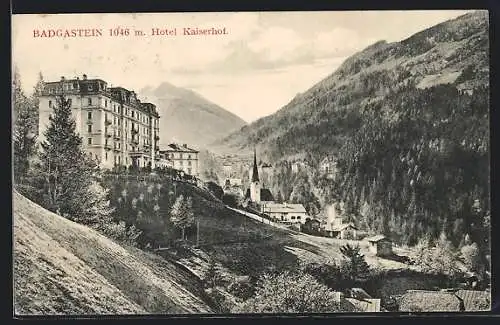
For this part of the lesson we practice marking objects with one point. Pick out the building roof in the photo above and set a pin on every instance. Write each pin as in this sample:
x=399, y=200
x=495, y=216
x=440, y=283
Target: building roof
x=376, y=238
x=429, y=301
x=359, y=293
x=344, y=227
x=174, y=147
x=284, y=208
x=365, y=305
x=475, y=300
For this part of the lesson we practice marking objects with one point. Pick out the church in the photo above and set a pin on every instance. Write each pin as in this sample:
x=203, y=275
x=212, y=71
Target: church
x=256, y=193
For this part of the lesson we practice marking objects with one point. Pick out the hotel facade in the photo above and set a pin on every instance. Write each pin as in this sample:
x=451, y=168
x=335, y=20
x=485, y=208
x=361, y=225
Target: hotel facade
x=117, y=129
x=183, y=158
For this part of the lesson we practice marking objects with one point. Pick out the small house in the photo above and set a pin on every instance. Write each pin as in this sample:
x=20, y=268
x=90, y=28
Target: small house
x=285, y=212
x=380, y=245
x=343, y=231
x=365, y=305
x=328, y=167
x=311, y=226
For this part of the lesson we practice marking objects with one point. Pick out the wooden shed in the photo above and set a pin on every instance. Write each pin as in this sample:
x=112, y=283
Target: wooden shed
x=380, y=245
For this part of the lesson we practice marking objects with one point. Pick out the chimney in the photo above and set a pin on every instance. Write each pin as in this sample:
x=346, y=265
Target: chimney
x=84, y=77
x=185, y=145
x=62, y=78
x=77, y=78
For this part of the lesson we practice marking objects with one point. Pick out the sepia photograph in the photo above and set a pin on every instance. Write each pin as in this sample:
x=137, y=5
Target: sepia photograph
x=226, y=163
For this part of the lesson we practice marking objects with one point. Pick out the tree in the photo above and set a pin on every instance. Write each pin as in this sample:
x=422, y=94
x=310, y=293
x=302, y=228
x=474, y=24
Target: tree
x=24, y=130
x=67, y=173
x=212, y=277
x=471, y=257
x=230, y=200
x=215, y=189
x=181, y=214
x=290, y=293
x=355, y=266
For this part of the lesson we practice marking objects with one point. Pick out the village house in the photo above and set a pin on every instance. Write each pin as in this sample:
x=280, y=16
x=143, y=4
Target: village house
x=233, y=188
x=285, y=212
x=335, y=225
x=183, y=158
x=343, y=231
x=380, y=245
x=311, y=226
x=328, y=167
x=228, y=169
x=117, y=128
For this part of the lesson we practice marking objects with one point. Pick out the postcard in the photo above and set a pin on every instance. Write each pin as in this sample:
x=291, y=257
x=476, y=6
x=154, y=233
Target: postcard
x=251, y=163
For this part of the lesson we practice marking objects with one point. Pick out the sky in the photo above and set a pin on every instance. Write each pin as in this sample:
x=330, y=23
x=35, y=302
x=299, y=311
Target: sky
x=261, y=62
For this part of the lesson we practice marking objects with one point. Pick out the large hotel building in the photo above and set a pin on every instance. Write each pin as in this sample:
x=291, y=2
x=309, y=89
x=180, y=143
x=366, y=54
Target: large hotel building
x=116, y=127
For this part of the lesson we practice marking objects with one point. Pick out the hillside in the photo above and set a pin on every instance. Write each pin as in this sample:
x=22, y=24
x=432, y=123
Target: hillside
x=64, y=268
x=187, y=117
x=320, y=119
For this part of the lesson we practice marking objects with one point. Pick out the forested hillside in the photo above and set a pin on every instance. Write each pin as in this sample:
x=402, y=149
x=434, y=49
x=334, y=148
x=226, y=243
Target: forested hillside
x=322, y=118
x=409, y=124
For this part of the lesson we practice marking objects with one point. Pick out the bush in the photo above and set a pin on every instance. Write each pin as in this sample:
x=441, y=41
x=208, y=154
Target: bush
x=470, y=255
x=230, y=200
x=440, y=258
x=290, y=293
x=242, y=289
x=119, y=232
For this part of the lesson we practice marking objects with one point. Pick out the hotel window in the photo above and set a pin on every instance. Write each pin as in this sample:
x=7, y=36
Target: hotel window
x=189, y=170
x=89, y=128
x=105, y=103
x=106, y=156
x=189, y=162
x=89, y=115
x=180, y=156
x=189, y=156
x=50, y=104
x=89, y=140
x=132, y=113
x=89, y=100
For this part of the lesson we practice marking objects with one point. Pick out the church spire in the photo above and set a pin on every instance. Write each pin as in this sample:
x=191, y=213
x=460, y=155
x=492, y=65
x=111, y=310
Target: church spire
x=255, y=172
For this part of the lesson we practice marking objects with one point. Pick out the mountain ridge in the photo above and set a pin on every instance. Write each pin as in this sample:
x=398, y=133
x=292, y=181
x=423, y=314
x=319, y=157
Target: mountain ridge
x=440, y=54
x=188, y=117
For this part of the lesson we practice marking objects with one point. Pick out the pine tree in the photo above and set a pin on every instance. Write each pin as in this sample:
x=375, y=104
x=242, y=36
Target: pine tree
x=35, y=101
x=181, y=214
x=68, y=173
x=24, y=130
x=355, y=267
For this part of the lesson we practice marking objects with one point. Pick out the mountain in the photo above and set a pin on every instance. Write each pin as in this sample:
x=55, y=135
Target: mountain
x=64, y=268
x=319, y=120
x=187, y=117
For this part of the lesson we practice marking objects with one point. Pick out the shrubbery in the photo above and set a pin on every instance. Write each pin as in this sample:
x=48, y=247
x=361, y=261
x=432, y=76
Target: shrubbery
x=290, y=293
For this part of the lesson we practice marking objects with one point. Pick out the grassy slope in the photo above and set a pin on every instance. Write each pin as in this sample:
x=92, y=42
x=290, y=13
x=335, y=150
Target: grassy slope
x=62, y=267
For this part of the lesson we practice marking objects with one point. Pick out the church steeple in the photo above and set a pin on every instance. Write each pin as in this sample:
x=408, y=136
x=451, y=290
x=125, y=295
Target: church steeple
x=255, y=172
